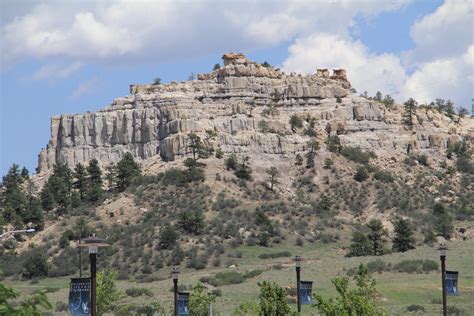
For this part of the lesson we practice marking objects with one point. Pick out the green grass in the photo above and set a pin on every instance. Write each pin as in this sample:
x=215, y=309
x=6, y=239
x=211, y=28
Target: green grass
x=321, y=263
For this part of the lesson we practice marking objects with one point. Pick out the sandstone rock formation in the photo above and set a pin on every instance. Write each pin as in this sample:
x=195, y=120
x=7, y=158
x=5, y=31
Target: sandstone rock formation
x=155, y=119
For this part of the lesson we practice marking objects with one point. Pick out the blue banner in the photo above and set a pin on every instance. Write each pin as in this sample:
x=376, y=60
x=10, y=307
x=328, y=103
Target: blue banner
x=451, y=282
x=80, y=297
x=183, y=304
x=306, y=292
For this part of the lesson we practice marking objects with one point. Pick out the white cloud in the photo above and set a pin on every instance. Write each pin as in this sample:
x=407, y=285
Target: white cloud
x=446, y=33
x=440, y=65
x=451, y=78
x=86, y=87
x=56, y=71
x=162, y=30
x=366, y=71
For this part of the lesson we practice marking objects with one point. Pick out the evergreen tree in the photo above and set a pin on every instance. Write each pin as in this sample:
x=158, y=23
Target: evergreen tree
x=403, y=239
x=361, y=174
x=127, y=169
x=313, y=147
x=388, y=101
x=80, y=180
x=444, y=225
x=410, y=110
x=167, y=237
x=243, y=170
x=360, y=245
x=12, y=198
x=296, y=122
x=58, y=189
x=273, y=173
x=375, y=235
x=94, y=181
x=199, y=150
x=378, y=96
x=33, y=210
x=191, y=221
x=25, y=174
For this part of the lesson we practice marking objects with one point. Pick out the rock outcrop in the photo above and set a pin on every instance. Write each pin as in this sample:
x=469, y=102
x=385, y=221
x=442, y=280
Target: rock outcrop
x=247, y=105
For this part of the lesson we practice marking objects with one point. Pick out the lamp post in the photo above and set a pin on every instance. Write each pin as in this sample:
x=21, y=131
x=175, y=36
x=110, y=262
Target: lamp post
x=29, y=230
x=174, y=275
x=93, y=243
x=298, y=282
x=442, y=256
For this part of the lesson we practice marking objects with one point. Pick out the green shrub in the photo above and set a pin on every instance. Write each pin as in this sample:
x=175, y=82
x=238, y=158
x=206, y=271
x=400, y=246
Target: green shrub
x=333, y=144
x=357, y=155
x=416, y=266
x=378, y=266
x=361, y=175
x=415, y=308
x=230, y=277
x=135, y=292
x=384, y=176
x=296, y=122
x=429, y=265
x=35, y=264
x=275, y=255
x=252, y=273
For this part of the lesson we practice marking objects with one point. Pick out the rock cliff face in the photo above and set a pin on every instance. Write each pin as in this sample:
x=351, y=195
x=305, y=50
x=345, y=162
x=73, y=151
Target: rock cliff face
x=248, y=106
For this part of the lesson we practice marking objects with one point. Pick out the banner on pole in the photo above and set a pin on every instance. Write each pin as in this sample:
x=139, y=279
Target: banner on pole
x=451, y=282
x=306, y=292
x=183, y=304
x=80, y=297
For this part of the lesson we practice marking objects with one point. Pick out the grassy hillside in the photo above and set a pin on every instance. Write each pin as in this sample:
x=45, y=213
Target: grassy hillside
x=221, y=216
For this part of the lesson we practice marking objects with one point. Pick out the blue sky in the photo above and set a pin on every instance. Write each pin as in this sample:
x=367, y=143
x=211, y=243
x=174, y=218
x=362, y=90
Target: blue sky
x=72, y=57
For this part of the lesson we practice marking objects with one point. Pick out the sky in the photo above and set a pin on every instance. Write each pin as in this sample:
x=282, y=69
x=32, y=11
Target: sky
x=66, y=57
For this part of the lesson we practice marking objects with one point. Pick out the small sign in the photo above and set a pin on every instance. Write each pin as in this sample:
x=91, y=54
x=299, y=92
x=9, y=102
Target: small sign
x=306, y=292
x=451, y=283
x=183, y=304
x=80, y=297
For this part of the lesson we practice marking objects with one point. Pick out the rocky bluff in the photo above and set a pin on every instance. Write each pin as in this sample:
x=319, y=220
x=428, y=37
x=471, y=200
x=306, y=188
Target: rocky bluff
x=248, y=106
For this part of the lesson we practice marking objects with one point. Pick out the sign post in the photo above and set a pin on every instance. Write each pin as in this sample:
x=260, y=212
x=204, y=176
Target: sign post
x=80, y=297
x=451, y=283
x=306, y=292
x=183, y=304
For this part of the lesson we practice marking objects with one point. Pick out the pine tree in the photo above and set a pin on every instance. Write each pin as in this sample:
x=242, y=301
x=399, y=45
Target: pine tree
x=12, y=197
x=273, y=173
x=410, y=110
x=127, y=169
x=403, y=239
x=376, y=234
x=94, y=181
x=360, y=245
x=60, y=187
x=313, y=147
x=199, y=150
x=80, y=179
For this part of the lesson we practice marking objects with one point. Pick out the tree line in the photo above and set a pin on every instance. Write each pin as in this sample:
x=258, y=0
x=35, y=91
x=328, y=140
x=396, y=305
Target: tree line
x=64, y=190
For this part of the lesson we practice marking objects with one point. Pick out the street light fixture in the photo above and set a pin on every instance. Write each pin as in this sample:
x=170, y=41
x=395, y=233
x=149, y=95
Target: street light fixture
x=298, y=282
x=442, y=256
x=29, y=230
x=93, y=243
x=174, y=275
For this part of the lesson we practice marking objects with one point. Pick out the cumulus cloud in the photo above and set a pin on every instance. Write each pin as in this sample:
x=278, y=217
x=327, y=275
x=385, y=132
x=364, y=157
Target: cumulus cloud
x=162, y=30
x=439, y=66
x=446, y=33
x=450, y=78
x=366, y=71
